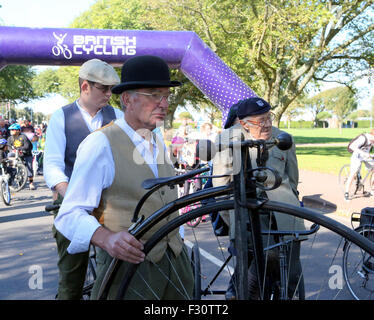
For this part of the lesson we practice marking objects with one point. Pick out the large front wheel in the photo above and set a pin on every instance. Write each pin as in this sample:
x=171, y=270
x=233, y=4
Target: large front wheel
x=320, y=255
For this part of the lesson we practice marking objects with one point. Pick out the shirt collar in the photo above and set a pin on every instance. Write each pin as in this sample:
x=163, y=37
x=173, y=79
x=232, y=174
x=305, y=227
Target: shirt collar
x=134, y=136
x=85, y=112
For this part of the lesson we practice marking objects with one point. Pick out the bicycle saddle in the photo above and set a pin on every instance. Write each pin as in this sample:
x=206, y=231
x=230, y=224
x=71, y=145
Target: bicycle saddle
x=171, y=181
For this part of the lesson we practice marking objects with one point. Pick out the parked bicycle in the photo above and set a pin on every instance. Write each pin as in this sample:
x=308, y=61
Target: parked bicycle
x=360, y=186
x=190, y=186
x=4, y=185
x=358, y=266
x=326, y=234
x=20, y=176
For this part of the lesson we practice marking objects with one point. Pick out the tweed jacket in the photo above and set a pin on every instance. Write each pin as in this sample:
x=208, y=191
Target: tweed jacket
x=285, y=162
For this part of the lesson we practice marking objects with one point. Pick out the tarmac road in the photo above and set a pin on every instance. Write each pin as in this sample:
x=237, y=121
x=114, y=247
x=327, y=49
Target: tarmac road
x=28, y=256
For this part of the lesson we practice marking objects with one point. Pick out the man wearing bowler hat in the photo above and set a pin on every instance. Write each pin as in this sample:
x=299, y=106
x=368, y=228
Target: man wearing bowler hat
x=122, y=155
x=255, y=122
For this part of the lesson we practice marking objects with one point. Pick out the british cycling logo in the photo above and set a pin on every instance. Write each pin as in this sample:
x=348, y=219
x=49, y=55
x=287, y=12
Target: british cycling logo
x=98, y=45
x=61, y=48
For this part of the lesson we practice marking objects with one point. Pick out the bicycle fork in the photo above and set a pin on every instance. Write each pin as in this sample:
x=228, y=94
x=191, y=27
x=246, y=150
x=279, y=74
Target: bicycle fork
x=244, y=217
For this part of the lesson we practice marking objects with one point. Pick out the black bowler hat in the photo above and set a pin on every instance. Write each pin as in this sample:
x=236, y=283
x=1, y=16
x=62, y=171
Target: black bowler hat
x=144, y=72
x=251, y=107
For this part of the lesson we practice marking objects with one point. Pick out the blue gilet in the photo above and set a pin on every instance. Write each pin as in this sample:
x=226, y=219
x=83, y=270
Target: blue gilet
x=76, y=131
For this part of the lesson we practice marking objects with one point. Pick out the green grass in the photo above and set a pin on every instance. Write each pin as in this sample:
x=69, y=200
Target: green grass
x=323, y=159
x=320, y=135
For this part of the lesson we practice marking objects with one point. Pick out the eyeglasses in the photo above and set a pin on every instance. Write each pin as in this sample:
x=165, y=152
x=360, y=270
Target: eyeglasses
x=155, y=96
x=102, y=88
x=263, y=122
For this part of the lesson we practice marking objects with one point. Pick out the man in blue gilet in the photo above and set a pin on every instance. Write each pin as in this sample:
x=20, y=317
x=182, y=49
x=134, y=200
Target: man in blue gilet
x=67, y=128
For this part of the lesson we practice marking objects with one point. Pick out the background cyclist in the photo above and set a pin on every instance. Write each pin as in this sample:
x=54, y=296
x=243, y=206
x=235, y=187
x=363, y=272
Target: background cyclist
x=19, y=141
x=361, y=147
x=3, y=158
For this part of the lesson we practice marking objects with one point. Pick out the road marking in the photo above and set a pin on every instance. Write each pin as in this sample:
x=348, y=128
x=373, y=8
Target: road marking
x=210, y=257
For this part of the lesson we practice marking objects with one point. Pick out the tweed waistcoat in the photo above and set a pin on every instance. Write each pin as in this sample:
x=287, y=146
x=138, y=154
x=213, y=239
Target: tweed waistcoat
x=118, y=202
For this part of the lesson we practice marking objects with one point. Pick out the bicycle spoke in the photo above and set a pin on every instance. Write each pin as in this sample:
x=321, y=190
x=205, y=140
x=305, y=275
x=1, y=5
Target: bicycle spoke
x=171, y=282
x=179, y=279
x=139, y=274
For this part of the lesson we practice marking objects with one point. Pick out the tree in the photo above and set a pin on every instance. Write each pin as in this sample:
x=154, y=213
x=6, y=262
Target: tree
x=315, y=105
x=16, y=84
x=323, y=116
x=279, y=47
x=341, y=102
x=185, y=115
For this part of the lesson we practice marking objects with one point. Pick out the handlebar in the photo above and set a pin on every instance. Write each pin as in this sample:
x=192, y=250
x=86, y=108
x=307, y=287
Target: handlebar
x=207, y=150
x=51, y=207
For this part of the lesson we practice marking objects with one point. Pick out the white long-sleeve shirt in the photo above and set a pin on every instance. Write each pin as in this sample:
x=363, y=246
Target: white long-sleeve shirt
x=94, y=171
x=55, y=143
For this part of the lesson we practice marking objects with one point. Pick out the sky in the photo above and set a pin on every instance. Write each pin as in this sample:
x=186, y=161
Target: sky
x=42, y=14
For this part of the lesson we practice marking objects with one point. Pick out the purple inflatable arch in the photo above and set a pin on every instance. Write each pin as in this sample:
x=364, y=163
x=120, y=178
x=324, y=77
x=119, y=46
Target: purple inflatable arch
x=181, y=49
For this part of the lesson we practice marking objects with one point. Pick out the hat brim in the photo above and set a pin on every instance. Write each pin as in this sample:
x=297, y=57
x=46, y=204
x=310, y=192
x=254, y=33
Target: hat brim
x=146, y=84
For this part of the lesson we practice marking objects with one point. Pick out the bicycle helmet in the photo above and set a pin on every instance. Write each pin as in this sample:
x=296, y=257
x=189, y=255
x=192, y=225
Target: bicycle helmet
x=3, y=143
x=15, y=126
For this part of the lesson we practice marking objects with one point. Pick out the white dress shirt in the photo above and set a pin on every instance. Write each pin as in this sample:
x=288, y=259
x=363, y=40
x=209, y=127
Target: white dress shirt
x=94, y=171
x=55, y=143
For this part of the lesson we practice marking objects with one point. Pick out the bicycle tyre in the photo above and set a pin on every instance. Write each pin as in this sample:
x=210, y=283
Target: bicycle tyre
x=371, y=181
x=299, y=212
x=5, y=192
x=90, y=277
x=166, y=229
x=358, y=279
x=343, y=176
x=196, y=267
x=195, y=222
x=20, y=178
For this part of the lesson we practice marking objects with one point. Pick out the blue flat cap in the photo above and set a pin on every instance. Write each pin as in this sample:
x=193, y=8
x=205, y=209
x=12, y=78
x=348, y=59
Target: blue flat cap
x=252, y=106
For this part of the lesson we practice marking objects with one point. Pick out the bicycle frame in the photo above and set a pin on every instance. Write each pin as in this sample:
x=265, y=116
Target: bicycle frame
x=246, y=205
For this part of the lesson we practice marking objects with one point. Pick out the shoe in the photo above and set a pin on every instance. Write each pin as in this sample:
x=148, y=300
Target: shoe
x=31, y=186
x=346, y=196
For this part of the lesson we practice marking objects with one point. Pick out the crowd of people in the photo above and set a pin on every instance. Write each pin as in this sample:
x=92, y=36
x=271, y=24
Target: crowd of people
x=22, y=137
